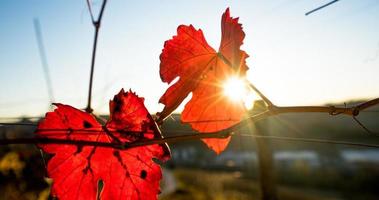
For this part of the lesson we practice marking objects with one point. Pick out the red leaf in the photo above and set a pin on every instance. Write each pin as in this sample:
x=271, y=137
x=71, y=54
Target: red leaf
x=126, y=174
x=202, y=71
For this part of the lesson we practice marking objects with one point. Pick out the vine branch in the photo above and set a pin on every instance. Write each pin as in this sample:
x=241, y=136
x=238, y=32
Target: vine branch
x=271, y=111
x=171, y=139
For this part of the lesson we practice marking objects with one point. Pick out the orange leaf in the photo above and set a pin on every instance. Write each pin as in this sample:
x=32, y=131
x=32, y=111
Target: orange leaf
x=202, y=71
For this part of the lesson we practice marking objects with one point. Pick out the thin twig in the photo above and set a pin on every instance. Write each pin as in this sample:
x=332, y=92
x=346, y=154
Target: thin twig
x=17, y=124
x=362, y=125
x=321, y=7
x=96, y=24
x=311, y=140
x=101, y=11
x=45, y=65
x=264, y=98
x=20, y=118
x=90, y=11
x=332, y=110
x=367, y=104
x=56, y=141
x=43, y=160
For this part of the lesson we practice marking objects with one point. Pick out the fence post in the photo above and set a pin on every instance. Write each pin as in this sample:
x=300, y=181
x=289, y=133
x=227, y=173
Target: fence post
x=265, y=158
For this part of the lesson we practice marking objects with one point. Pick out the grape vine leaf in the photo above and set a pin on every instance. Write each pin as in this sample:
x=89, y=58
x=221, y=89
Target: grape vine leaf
x=202, y=71
x=125, y=174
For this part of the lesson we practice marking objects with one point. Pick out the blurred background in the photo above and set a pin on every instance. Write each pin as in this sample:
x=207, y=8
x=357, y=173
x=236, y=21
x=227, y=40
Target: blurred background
x=328, y=57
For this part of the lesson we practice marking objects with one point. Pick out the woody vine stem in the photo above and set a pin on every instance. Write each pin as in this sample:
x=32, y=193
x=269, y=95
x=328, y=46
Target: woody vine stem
x=271, y=110
x=96, y=23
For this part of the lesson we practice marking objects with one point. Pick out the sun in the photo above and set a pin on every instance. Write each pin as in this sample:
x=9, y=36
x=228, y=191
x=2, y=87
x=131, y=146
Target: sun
x=235, y=89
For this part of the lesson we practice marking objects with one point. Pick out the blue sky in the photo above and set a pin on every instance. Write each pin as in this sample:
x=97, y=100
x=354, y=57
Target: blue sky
x=330, y=56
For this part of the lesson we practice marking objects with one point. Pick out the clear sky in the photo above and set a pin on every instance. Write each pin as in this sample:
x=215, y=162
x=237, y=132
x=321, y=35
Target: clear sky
x=329, y=56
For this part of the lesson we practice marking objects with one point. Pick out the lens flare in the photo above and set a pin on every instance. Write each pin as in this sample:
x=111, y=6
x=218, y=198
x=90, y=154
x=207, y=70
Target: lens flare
x=235, y=89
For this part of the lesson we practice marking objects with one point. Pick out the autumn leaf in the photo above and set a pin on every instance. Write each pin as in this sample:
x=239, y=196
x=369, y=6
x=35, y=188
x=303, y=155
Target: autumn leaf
x=203, y=71
x=126, y=174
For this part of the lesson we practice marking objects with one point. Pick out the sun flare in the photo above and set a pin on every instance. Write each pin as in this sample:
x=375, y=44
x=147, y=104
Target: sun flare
x=235, y=89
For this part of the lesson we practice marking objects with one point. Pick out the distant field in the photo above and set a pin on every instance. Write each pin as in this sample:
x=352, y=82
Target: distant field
x=195, y=184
